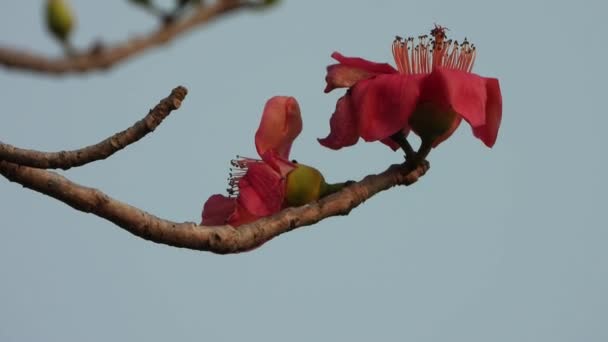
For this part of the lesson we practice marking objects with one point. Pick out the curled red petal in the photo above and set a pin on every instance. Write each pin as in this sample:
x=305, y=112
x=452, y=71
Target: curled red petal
x=344, y=125
x=489, y=132
x=280, y=125
x=278, y=163
x=217, y=209
x=351, y=70
x=360, y=63
x=385, y=103
x=343, y=76
x=476, y=99
x=374, y=109
x=261, y=190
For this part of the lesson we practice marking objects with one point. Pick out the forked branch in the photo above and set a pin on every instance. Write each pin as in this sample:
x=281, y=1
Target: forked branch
x=218, y=239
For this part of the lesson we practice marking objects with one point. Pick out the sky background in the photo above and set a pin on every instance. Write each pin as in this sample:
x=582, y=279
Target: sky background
x=507, y=244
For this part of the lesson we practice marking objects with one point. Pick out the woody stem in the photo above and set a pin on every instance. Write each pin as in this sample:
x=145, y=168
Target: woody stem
x=419, y=157
x=401, y=140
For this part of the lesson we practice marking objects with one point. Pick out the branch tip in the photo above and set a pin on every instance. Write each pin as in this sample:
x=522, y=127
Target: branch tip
x=102, y=150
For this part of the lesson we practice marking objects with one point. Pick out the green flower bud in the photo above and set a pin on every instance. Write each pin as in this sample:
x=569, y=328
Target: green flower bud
x=270, y=2
x=59, y=19
x=145, y=3
x=304, y=185
x=433, y=124
x=264, y=4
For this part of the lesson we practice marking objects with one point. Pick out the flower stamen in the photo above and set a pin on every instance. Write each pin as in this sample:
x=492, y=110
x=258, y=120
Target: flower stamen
x=239, y=168
x=427, y=54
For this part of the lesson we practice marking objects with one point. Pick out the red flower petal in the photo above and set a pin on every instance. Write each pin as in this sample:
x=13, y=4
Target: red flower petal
x=217, y=209
x=384, y=104
x=350, y=70
x=476, y=99
x=240, y=216
x=360, y=63
x=281, y=123
x=374, y=109
x=278, y=163
x=344, y=125
x=489, y=132
x=261, y=190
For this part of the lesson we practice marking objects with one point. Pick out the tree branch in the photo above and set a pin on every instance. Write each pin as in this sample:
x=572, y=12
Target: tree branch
x=102, y=150
x=99, y=57
x=218, y=239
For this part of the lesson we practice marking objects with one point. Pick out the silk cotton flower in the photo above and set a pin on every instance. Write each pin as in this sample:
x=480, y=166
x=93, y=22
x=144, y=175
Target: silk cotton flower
x=257, y=187
x=430, y=92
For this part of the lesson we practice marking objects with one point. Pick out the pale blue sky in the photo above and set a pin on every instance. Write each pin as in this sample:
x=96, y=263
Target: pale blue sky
x=507, y=244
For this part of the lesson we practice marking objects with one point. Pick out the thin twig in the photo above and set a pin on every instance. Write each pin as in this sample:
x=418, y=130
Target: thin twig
x=100, y=57
x=218, y=239
x=102, y=150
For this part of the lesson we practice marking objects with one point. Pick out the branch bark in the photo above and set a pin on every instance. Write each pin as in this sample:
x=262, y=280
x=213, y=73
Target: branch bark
x=102, y=150
x=218, y=239
x=100, y=57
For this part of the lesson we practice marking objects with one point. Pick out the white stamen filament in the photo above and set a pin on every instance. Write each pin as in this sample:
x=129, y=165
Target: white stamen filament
x=238, y=170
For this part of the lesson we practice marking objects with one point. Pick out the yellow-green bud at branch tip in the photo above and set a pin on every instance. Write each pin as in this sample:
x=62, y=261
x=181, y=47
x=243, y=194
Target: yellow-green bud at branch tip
x=60, y=19
x=433, y=124
x=306, y=184
x=182, y=3
x=263, y=4
x=271, y=2
x=141, y=2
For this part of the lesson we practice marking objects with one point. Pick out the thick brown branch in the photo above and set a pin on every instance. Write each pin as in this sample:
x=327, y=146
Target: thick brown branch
x=100, y=57
x=218, y=239
x=102, y=150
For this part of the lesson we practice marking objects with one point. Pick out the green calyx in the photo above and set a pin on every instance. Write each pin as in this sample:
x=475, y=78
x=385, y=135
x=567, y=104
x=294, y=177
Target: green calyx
x=432, y=123
x=306, y=184
x=60, y=19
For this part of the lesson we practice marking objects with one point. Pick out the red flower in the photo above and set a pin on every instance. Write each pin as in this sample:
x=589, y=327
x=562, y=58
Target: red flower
x=430, y=92
x=257, y=187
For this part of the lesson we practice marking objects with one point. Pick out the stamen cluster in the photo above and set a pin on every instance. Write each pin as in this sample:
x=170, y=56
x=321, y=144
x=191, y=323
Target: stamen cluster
x=237, y=171
x=423, y=57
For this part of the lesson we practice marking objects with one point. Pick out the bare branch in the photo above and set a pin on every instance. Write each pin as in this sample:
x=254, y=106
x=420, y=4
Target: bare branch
x=218, y=239
x=100, y=57
x=102, y=150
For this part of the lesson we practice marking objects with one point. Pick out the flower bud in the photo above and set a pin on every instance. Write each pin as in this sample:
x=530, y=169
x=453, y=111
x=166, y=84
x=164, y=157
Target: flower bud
x=270, y=2
x=183, y=3
x=265, y=4
x=433, y=124
x=305, y=184
x=141, y=2
x=59, y=19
